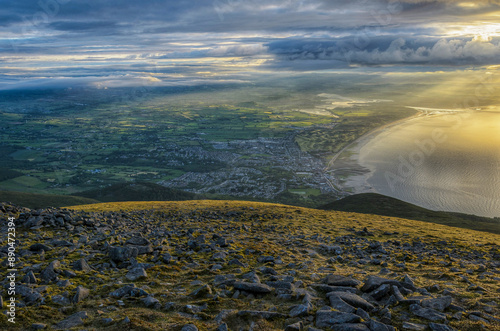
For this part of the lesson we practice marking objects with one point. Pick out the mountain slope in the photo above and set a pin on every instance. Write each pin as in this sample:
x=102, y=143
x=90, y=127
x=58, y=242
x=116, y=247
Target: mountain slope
x=372, y=203
x=35, y=200
x=139, y=191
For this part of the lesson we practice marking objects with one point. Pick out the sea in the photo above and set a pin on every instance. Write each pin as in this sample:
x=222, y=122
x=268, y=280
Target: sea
x=444, y=161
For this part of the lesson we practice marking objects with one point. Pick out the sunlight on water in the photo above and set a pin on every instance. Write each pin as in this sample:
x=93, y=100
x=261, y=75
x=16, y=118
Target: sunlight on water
x=443, y=162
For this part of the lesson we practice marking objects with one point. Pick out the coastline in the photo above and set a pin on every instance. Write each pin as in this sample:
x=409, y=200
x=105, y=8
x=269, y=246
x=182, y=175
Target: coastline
x=352, y=177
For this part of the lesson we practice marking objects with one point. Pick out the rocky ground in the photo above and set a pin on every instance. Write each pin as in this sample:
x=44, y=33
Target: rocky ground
x=246, y=266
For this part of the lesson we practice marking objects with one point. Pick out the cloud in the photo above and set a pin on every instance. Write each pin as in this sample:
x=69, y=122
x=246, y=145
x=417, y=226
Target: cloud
x=238, y=50
x=398, y=52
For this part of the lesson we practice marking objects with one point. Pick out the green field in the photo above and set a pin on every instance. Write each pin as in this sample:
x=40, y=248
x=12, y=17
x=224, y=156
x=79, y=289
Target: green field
x=67, y=142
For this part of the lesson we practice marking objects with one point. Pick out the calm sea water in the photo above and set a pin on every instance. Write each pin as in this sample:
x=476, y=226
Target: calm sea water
x=442, y=162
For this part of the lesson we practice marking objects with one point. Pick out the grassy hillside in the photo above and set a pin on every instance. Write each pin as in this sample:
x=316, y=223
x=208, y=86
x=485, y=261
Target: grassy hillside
x=247, y=265
x=372, y=203
x=140, y=191
x=34, y=200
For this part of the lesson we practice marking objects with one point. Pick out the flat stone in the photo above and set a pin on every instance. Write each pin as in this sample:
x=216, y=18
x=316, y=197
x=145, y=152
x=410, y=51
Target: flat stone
x=121, y=254
x=299, y=326
x=350, y=327
x=339, y=280
x=252, y=287
x=128, y=290
x=39, y=247
x=373, y=282
x=189, y=327
x=440, y=303
x=301, y=310
x=136, y=273
x=413, y=326
x=281, y=284
x=440, y=327
x=222, y=327
x=149, y=301
x=139, y=241
x=427, y=313
x=329, y=288
x=327, y=319
x=337, y=303
x=38, y=326
x=60, y=300
x=201, y=292
x=353, y=299
x=378, y=326
x=268, y=315
x=381, y=291
x=72, y=321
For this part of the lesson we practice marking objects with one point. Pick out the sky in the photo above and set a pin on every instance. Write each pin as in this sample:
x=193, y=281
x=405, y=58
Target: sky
x=106, y=43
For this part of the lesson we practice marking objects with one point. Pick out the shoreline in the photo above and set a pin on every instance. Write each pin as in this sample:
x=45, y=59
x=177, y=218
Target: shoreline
x=361, y=164
x=346, y=164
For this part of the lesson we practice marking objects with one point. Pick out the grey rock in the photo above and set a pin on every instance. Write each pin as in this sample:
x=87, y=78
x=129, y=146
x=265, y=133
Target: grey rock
x=299, y=326
x=107, y=320
x=350, y=327
x=363, y=314
x=337, y=303
x=281, y=285
x=327, y=319
x=63, y=283
x=237, y=262
x=30, y=278
x=338, y=280
x=201, y=292
x=136, y=273
x=427, y=313
x=252, y=287
x=38, y=247
x=373, y=282
x=440, y=327
x=38, y=326
x=378, y=326
x=301, y=310
x=440, y=303
x=413, y=326
x=222, y=327
x=32, y=298
x=72, y=321
x=328, y=288
x=151, y=302
x=476, y=318
x=82, y=265
x=138, y=241
x=60, y=300
x=166, y=258
x=121, y=254
x=229, y=279
x=268, y=315
x=381, y=291
x=49, y=273
x=189, y=327
x=353, y=299
x=81, y=294
x=128, y=290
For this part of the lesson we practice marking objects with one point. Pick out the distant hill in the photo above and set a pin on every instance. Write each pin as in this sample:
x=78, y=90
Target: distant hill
x=372, y=203
x=36, y=201
x=140, y=191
